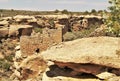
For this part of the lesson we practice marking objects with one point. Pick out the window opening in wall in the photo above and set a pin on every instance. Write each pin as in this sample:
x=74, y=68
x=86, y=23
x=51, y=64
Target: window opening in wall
x=37, y=50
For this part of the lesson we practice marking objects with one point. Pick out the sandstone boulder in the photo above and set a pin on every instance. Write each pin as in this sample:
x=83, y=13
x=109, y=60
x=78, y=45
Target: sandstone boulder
x=4, y=23
x=17, y=47
x=106, y=75
x=4, y=32
x=18, y=54
x=32, y=67
x=94, y=56
x=24, y=18
x=95, y=50
x=19, y=30
x=1, y=55
x=7, y=18
x=114, y=79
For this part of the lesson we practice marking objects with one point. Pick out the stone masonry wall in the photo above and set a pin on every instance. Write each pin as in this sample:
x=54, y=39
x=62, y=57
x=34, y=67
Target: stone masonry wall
x=33, y=44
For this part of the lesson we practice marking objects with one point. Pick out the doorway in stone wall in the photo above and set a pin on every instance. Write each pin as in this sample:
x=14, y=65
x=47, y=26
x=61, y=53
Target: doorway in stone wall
x=37, y=50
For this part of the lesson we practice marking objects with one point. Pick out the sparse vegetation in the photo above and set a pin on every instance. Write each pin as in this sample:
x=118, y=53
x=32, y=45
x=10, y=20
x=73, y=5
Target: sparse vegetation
x=38, y=30
x=12, y=12
x=9, y=58
x=56, y=11
x=69, y=36
x=80, y=34
x=74, y=25
x=51, y=22
x=7, y=47
x=113, y=20
x=7, y=50
x=65, y=11
x=4, y=65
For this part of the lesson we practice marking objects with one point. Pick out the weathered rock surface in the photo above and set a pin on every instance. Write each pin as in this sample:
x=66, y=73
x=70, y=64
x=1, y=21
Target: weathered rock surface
x=105, y=75
x=113, y=79
x=32, y=67
x=24, y=18
x=4, y=23
x=97, y=50
x=1, y=56
x=28, y=69
x=21, y=30
x=98, y=56
x=15, y=30
x=3, y=32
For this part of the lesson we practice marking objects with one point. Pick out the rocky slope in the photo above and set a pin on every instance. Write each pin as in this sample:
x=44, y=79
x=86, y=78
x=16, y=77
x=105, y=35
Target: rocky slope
x=87, y=59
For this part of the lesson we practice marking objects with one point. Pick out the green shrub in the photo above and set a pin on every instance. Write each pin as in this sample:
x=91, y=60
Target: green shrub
x=69, y=36
x=65, y=11
x=113, y=20
x=4, y=65
x=86, y=32
x=38, y=30
x=9, y=58
x=51, y=22
x=80, y=34
x=56, y=11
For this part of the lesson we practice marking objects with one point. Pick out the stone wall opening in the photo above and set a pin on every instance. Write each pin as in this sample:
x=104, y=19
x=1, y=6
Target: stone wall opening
x=37, y=50
x=40, y=42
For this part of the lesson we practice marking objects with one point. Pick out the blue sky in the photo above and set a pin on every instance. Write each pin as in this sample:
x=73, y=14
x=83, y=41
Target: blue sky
x=44, y=5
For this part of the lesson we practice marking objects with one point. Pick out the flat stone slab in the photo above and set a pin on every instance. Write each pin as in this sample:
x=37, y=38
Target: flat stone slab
x=94, y=50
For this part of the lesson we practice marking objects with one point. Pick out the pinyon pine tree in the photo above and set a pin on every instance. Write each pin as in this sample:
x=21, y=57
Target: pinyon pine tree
x=113, y=20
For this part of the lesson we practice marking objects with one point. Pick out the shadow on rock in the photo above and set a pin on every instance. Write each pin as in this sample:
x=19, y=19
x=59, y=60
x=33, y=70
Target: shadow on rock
x=67, y=72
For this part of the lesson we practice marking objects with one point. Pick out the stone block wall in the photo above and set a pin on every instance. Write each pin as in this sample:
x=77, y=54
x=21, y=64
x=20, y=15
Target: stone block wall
x=29, y=45
x=35, y=44
x=25, y=31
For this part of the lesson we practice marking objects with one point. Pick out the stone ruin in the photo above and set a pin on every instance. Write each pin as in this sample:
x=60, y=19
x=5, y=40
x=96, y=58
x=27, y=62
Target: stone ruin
x=98, y=57
x=19, y=25
x=40, y=42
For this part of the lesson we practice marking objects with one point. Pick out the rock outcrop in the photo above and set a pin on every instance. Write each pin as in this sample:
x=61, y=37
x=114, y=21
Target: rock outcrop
x=68, y=23
x=88, y=55
x=4, y=32
x=4, y=23
x=29, y=68
x=16, y=31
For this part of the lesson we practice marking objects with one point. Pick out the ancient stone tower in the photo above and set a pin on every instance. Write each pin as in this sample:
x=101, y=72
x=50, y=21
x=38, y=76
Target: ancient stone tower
x=35, y=44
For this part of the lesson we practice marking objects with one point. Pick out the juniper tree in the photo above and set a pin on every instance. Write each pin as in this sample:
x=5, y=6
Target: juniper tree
x=113, y=20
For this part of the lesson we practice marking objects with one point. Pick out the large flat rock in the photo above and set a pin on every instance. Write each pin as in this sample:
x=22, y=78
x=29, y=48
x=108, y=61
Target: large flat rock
x=95, y=50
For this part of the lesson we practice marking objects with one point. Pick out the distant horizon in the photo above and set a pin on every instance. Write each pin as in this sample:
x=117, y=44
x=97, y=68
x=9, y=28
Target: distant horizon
x=46, y=10
x=52, y=5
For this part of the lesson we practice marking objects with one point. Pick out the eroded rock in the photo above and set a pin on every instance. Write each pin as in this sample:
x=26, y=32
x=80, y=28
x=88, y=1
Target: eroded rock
x=88, y=55
x=94, y=50
x=32, y=67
